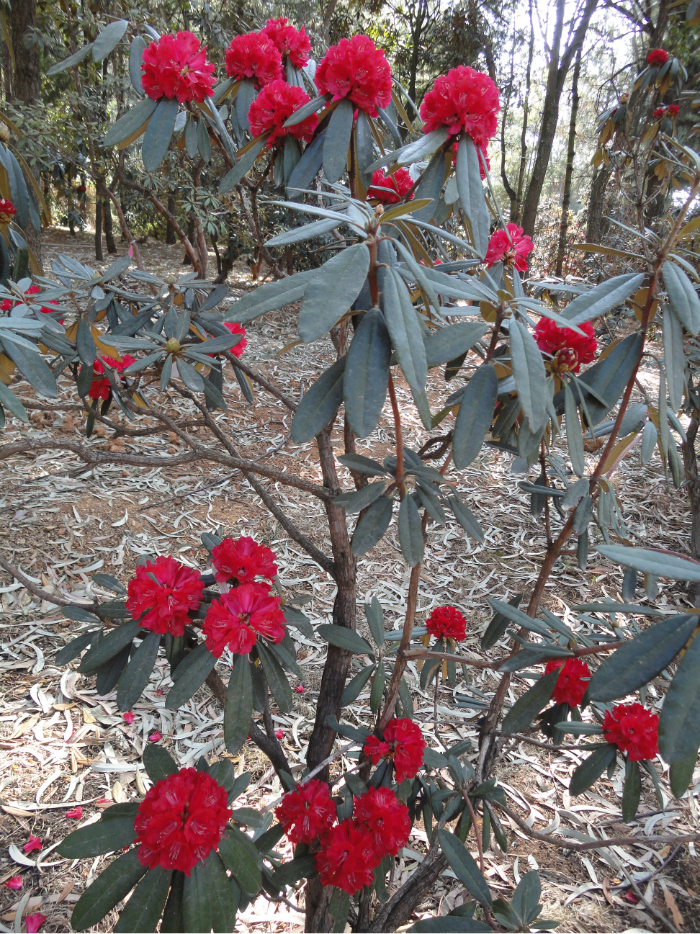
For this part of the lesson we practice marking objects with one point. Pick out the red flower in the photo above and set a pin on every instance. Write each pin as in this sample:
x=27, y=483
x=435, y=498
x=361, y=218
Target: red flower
x=75, y=813
x=447, y=622
x=100, y=388
x=390, y=188
x=306, y=811
x=386, y=818
x=672, y=110
x=235, y=328
x=176, y=66
x=572, y=682
x=15, y=883
x=253, y=55
x=242, y=560
x=357, y=69
x=34, y=922
x=277, y=101
x=7, y=212
x=657, y=57
x=464, y=99
x=403, y=743
x=290, y=42
x=299, y=689
x=155, y=737
x=33, y=843
x=659, y=112
x=633, y=729
x=81, y=189
x=512, y=248
x=239, y=616
x=6, y=304
x=181, y=820
x=129, y=717
x=165, y=591
x=568, y=349
x=33, y=290
x=347, y=858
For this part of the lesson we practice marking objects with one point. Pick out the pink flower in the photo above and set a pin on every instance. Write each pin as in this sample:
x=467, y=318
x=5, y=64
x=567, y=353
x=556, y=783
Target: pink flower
x=255, y=56
x=235, y=328
x=357, y=69
x=34, y=922
x=279, y=734
x=129, y=717
x=75, y=813
x=155, y=737
x=289, y=41
x=33, y=843
x=299, y=689
x=176, y=66
x=512, y=247
x=14, y=883
x=463, y=99
x=270, y=109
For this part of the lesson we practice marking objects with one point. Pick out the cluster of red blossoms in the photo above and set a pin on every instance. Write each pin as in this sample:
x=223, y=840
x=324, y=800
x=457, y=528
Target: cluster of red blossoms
x=568, y=349
x=306, y=812
x=7, y=211
x=390, y=188
x=176, y=66
x=235, y=328
x=403, y=744
x=291, y=43
x=242, y=560
x=634, y=730
x=511, y=248
x=277, y=101
x=253, y=55
x=181, y=820
x=657, y=57
x=100, y=388
x=671, y=111
x=358, y=70
x=165, y=591
x=463, y=99
x=572, y=682
x=446, y=622
x=8, y=303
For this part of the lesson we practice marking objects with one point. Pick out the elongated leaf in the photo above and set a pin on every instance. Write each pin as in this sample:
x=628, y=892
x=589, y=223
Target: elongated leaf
x=367, y=373
x=159, y=132
x=110, y=673
x=109, y=888
x=108, y=38
x=590, y=770
x=32, y=366
x=375, y=620
x=307, y=167
x=311, y=107
x=173, y=922
x=574, y=436
x=108, y=647
x=75, y=647
x=99, y=838
x=361, y=464
x=130, y=122
x=198, y=898
x=679, y=726
x=355, y=687
x=269, y=297
x=603, y=298
x=241, y=856
x=413, y=152
x=641, y=659
x=75, y=59
x=144, y=908
x=332, y=291
x=471, y=192
x=608, y=377
x=498, y=625
x=410, y=532
x=189, y=676
x=301, y=234
x=345, y=639
x=238, y=711
x=242, y=167
x=158, y=762
x=475, y=415
x=681, y=774
x=404, y=330
x=674, y=357
x=138, y=671
x=12, y=403
x=451, y=342
x=447, y=924
x=683, y=297
x=372, y=526
x=136, y=50
x=530, y=375
x=631, y=792
x=526, y=708
x=337, y=142
x=320, y=403
x=358, y=500
x=430, y=186
x=464, y=867
x=276, y=679
x=652, y=562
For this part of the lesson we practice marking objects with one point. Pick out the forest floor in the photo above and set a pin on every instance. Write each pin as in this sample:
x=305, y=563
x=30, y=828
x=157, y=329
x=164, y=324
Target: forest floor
x=62, y=746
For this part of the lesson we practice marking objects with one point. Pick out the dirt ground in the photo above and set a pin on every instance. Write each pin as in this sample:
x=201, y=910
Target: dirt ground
x=63, y=746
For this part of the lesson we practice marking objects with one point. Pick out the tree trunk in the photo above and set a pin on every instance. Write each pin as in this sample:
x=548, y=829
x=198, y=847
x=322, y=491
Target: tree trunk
x=187, y=261
x=170, y=236
x=516, y=208
x=415, y=49
x=692, y=484
x=596, y=224
x=98, y=229
x=107, y=222
x=571, y=151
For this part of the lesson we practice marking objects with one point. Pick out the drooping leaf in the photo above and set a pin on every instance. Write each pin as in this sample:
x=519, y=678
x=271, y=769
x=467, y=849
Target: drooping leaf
x=683, y=297
x=679, y=725
x=130, y=122
x=136, y=50
x=337, y=142
x=109, y=646
x=367, y=373
x=609, y=376
x=238, y=711
x=674, y=357
x=31, y=365
x=450, y=342
x=107, y=890
x=307, y=167
x=631, y=791
x=375, y=620
x=242, y=167
x=301, y=234
x=372, y=525
x=269, y=297
x=574, y=436
x=405, y=331
x=99, y=838
x=471, y=192
x=190, y=675
x=331, y=292
x=158, y=762
x=159, y=131
x=144, y=908
x=354, y=687
x=526, y=708
x=357, y=500
x=276, y=679
x=681, y=774
x=475, y=415
x=498, y=625
x=75, y=59
x=430, y=186
x=530, y=375
x=590, y=770
x=410, y=531
x=242, y=858
x=464, y=867
x=138, y=671
x=603, y=298
x=110, y=673
x=320, y=403
x=108, y=39
x=345, y=639
x=361, y=464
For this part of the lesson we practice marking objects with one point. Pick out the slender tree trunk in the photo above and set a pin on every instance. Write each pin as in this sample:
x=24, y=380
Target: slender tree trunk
x=170, y=236
x=415, y=50
x=596, y=223
x=187, y=261
x=98, y=229
x=108, y=225
x=571, y=151
x=515, y=209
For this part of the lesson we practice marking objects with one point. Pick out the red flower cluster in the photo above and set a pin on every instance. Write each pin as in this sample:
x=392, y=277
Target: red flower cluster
x=403, y=744
x=633, y=729
x=165, y=591
x=239, y=616
x=176, y=66
x=572, y=682
x=568, y=349
x=242, y=560
x=446, y=622
x=253, y=55
x=277, y=101
x=390, y=188
x=511, y=248
x=289, y=42
x=7, y=211
x=357, y=69
x=181, y=820
x=235, y=328
x=351, y=850
x=81, y=189
x=671, y=111
x=657, y=57
x=100, y=388
x=8, y=303
x=463, y=99
x=306, y=811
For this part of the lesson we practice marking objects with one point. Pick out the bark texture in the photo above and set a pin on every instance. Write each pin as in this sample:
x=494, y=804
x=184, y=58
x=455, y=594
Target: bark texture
x=571, y=152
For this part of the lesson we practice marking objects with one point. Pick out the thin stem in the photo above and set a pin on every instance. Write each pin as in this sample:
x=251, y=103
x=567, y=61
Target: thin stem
x=399, y=436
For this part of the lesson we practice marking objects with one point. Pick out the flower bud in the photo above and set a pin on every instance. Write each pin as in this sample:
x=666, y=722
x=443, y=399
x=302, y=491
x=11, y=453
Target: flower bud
x=173, y=345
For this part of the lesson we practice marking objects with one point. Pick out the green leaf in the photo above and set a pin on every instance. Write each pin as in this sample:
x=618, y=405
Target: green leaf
x=75, y=647
x=367, y=373
x=574, y=436
x=451, y=342
x=244, y=98
x=530, y=375
x=269, y=297
x=405, y=332
x=464, y=867
x=498, y=625
x=159, y=132
x=653, y=562
x=32, y=366
x=377, y=692
x=138, y=671
x=238, y=711
x=108, y=647
x=332, y=291
x=108, y=38
x=354, y=688
x=372, y=526
x=143, y=910
x=320, y=403
x=301, y=234
x=337, y=142
x=357, y=500
x=158, y=762
x=631, y=791
x=602, y=299
x=208, y=902
x=683, y=297
x=173, y=922
x=276, y=679
x=241, y=856
x=311, y=107
x=301, y=867
x=308, y=166
x=361, y=464
x=345, y=639
x=189, y=676
x=640, y=659
x=609, y=376
x=375, y=620
x=109, y=888
x=475, y=415
x=110, y=673
x=242, y=167
x=413, y=152
x=679, y=726
x=75, y=59
x=13, y=404
x=471, y=192
x=136, y=50
x=674, y=357
x=526, y=708
x=99, y=838
x=410, y=531
x=681, y=774
x=526, y=898
x=350, y=732
x=579, y=729
x=430, y=186
x=590, y=770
